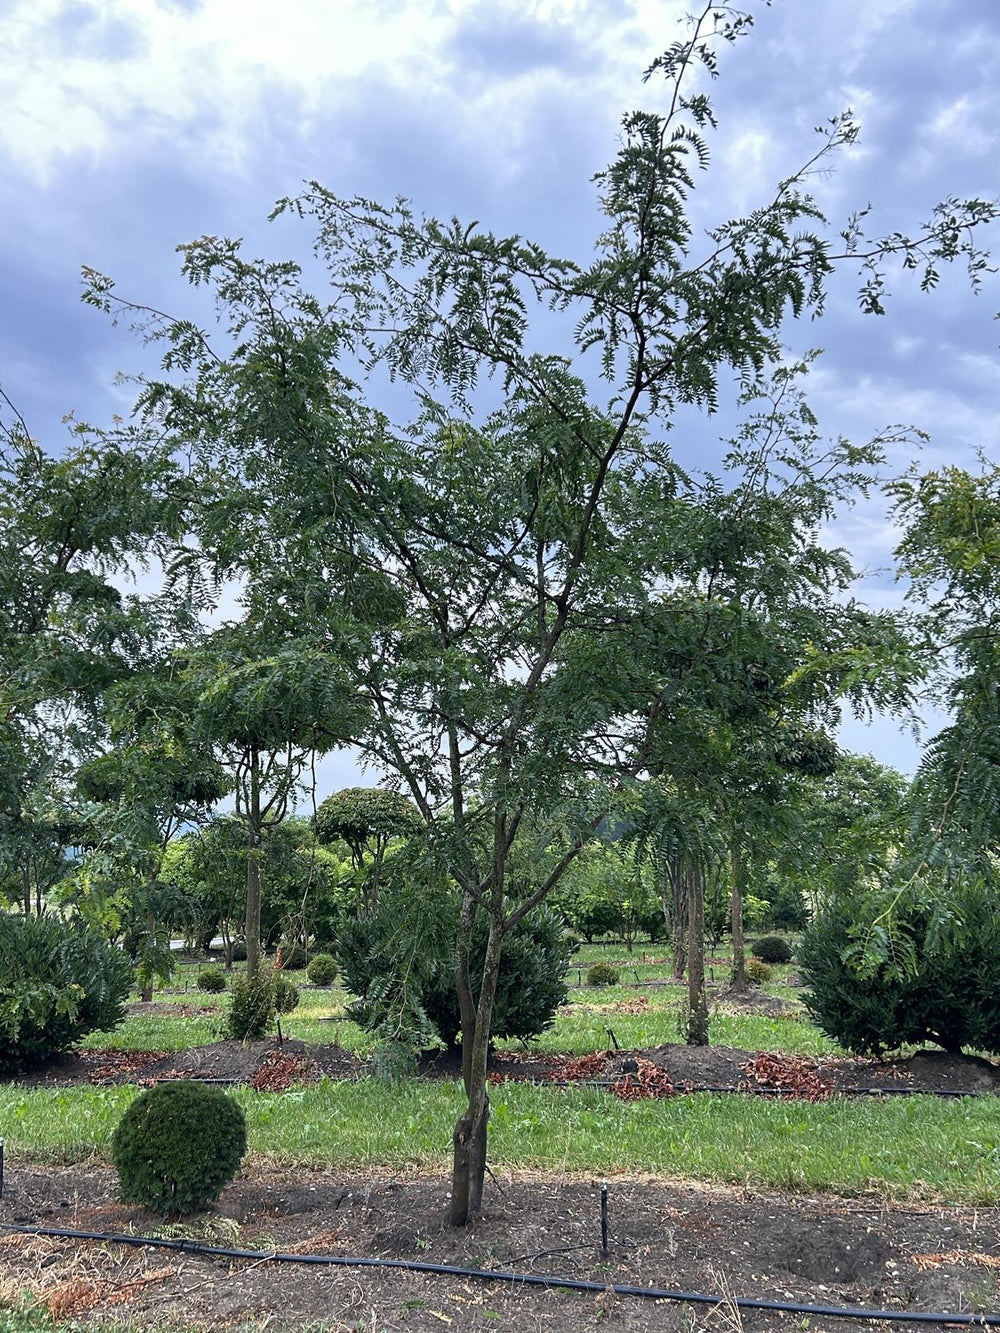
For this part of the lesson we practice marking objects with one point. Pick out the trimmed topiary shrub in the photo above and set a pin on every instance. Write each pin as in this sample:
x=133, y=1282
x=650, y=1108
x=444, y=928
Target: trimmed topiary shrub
x=937, y=979
x=602, y=974
x=58, y=981
x=286, y=996
x=251, y=1007
x=322, y=970
x=239, y=953
x=756, y=972
x=211, y=979
x=773, y=949
x=177, y=1146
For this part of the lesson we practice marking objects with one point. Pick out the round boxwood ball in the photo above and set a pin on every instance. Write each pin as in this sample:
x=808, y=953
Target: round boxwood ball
x=177, y=1147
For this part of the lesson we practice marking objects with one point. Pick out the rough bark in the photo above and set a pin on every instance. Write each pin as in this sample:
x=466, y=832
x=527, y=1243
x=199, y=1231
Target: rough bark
x=739, y=981
x=252, y=919
x=678, y=919
x=697, y=999
x=471, y=1135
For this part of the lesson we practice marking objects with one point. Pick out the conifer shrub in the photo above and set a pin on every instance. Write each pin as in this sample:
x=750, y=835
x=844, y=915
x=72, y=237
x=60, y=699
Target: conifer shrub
x=322, y=970
x=773, y=949
x=239, y=951
x=212, y=980
x=934, y=977
x=251, y=1007
x=286, y=995
x=400, y=962
x=602, y=974
x=177, y=1147
x=58, y=981
x=756, y=972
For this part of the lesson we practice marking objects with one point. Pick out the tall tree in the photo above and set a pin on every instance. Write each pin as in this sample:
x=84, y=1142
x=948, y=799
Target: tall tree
x=525, y=669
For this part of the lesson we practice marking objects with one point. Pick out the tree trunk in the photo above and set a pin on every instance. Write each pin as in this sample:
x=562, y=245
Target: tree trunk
x=147, y=985
x=26, y=883
x=697, y=999
x=678, y=886
x=252, y=921
x=739, y=981
x=472, y=1128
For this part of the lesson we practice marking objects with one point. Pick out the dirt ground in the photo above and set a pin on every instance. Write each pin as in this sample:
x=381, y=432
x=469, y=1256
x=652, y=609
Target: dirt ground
x=270, y=1065
x=713, y=1240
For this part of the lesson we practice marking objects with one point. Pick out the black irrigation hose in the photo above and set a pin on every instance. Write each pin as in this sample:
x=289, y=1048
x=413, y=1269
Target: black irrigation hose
x=520, y=1279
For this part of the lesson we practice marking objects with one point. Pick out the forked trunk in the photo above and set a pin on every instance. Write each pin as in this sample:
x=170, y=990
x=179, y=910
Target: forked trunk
x=697, y=999
x=471, y=1134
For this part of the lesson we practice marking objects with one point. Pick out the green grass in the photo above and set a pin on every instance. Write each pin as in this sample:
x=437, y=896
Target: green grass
x=914, y=1147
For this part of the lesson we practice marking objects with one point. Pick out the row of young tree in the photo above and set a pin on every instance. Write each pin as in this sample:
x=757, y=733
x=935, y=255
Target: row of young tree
x=507, y=593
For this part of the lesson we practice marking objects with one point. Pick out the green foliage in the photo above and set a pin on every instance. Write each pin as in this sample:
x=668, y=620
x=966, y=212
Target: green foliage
x=756, y=972
x=322, y=969
x=212, y=979
x=286, y=995
x=934, y=976
x=367, y=819
x=251, y=1007
x=292, y=956
x=399, y=962
x=772, y=949
x=602, y=974
x=58, y=981
x=177, y=1147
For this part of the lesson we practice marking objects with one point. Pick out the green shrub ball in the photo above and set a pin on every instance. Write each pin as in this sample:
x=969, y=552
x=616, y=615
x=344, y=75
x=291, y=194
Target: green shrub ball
x=322, y=970
x=178, y=1146
x=212, y=979
x=756, y=972
x=773, y=949
x=602, y=974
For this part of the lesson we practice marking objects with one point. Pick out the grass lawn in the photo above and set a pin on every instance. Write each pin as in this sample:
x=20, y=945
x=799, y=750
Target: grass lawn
x=918, y=1147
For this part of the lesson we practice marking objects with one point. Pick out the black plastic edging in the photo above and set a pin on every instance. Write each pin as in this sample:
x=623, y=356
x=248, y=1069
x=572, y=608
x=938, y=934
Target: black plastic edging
x=518, y=1279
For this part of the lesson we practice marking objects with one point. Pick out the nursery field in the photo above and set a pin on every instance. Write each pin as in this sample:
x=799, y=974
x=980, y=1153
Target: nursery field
x=710, y=1191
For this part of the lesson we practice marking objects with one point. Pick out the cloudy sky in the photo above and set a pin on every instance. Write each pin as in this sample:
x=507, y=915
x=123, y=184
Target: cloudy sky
x=130, y=126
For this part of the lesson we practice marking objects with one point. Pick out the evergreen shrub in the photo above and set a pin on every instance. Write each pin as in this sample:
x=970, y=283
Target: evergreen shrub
x=292, y=957
x=251, y=1007
x=177, y=1146
x=58, y=981
x=322, y=970
x=409, y=987
x=936, y=976
x=286, y=995
x=211, y=979
x=756, y=972
x=773, y=949
x=602, y=974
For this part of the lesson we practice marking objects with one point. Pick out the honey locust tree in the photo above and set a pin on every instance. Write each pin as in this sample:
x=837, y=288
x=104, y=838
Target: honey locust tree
x=527, y=509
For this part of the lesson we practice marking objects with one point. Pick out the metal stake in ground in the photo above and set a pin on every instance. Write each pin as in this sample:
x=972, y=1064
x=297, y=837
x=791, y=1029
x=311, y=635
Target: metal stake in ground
x=604, y=1218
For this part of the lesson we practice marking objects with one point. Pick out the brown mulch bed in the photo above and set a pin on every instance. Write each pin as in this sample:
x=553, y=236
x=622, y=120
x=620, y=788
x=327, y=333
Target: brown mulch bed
x=686, y=1068
x=734, y=1242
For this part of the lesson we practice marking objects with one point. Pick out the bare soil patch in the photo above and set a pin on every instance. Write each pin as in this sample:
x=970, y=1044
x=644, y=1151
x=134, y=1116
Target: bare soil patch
x=733, y=1242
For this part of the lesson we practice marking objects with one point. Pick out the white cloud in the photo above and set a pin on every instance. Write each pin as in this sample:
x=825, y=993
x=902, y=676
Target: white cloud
x=96, y=79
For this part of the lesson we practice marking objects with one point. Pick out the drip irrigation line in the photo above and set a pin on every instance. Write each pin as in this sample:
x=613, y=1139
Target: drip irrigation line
x=548, y=1280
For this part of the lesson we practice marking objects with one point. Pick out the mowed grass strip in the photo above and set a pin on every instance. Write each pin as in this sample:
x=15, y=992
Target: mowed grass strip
x=903, y=1148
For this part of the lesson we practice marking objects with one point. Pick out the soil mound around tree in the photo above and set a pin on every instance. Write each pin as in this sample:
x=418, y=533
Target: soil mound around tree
x=270, y=1065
